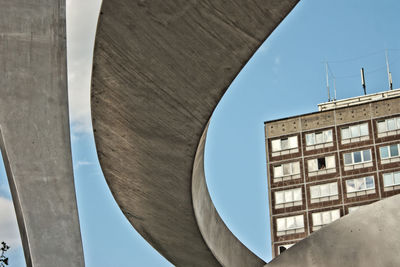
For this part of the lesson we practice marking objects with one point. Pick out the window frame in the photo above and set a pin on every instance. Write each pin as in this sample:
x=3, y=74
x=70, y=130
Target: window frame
x=320, y=214
x=386, y=122
x=365, y=183
x=294, y=202
x=326, y=167
x=292, y=191
x=392, y=178
x=350, y=132
x=286, y=246
x=314, y=138
x=354, y=208
x=389, y=151
x=291, y=169
x=362, y=157
x=320, y=191
x=286, y=229
x=293, y=137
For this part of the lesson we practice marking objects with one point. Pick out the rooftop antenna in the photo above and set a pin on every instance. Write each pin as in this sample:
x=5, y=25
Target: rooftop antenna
x=363, y=81
x=327, y=81
x=390, y=81
x=388, y=71
x=334, y=87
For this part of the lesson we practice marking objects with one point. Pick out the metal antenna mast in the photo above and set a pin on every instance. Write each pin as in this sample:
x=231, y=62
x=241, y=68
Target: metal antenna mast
x=363, y=81
x=389, y=74
x=334, y=87
x=327, y=81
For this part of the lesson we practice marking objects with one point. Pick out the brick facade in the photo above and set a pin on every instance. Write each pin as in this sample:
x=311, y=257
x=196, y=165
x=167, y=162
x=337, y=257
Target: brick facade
x=322, y=178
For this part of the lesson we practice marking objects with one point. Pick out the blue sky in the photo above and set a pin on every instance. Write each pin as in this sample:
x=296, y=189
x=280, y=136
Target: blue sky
x=285, y=77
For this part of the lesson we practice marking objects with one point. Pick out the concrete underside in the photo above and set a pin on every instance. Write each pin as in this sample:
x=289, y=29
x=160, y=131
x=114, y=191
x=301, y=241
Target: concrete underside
x=34, y=136
x=160, y=68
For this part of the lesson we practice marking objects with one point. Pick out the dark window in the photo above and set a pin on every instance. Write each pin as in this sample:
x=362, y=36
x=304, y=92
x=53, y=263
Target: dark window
x=321, y=164
x=394, y=151
x=357, y=157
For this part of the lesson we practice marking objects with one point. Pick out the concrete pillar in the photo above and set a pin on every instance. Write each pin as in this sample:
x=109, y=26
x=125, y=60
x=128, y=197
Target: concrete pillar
x=35, y=130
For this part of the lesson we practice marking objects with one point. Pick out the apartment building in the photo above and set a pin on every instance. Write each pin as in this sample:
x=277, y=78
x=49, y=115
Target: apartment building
x=324, y=165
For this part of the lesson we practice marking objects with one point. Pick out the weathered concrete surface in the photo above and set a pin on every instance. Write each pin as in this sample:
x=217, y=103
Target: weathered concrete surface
x=160, y=68
x=228, y=250
x=35, y=130
x=368, y=237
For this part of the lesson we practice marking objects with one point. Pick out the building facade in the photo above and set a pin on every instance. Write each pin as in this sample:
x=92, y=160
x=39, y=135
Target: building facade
x=324, y=165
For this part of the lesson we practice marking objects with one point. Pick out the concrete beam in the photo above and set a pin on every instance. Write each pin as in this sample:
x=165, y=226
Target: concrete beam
x=35, y=139
x=160, y=68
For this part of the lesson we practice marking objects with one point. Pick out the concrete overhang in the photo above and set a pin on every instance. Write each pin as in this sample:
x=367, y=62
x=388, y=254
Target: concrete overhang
x=160, y=68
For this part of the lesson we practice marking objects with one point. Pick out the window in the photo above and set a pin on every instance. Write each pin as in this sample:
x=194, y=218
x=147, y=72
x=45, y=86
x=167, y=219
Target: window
x=282, y=248
x=288, y=198
x=360, y=184
x=388, y=125
x=321, y=164
x=284, y=143
x=351, y=209
x=357, y=157
x=323, y=218
x=319, y=137
x=290, y=225
x=354, y=131
x=287, y=169
x=389, y=151
x=324, y=192
x=391, y=179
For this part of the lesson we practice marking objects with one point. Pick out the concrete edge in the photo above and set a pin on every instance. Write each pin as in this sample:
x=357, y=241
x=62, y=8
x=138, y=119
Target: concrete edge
x=226, y=248
x=17, y=204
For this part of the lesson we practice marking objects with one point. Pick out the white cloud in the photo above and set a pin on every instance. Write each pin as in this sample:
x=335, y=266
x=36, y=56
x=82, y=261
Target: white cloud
x=74, y=137
x=4, y=188
x=84, y=163
x=277, y=60
x=81, y=26
x=8, y=224
x=275, y=68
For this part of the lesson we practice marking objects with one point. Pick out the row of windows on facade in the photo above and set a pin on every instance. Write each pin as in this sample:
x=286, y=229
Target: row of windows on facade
x=352, y=133
x=327, y=164
x=295, y=224
x=329, y=191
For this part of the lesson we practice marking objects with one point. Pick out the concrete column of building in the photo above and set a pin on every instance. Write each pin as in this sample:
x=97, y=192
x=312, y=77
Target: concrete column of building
x=35, y=130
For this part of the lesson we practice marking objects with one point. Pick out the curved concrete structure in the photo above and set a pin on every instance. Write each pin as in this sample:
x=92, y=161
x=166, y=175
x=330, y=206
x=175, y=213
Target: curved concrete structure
x=35, y=139
x=369, y=237
x=160, y=68
x=227, y=249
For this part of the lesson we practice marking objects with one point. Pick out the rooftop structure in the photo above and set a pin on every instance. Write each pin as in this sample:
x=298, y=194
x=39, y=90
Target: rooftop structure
x=358, y=100
x=324, y=165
